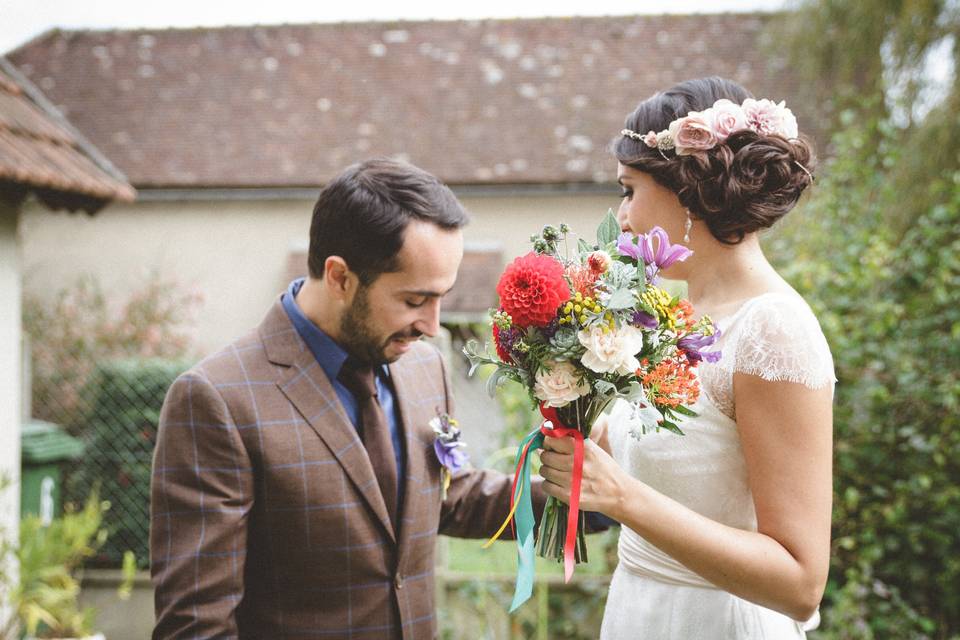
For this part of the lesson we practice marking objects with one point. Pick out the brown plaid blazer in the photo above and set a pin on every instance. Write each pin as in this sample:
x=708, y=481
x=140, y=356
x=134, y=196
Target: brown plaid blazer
x=266, y=517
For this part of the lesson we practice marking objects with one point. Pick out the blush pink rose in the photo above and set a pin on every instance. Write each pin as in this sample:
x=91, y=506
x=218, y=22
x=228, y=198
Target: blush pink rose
x=693, y=133
x=650, y=139
x=727, y=118
x=766, y=117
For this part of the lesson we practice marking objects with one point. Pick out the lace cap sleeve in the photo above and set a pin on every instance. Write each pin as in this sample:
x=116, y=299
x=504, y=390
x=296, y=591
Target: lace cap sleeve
x=781, y=340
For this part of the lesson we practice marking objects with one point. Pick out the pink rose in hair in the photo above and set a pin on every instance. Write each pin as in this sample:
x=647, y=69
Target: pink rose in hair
x=650, y=139
x=727, y=118
x=769, y=118
x=693, y=133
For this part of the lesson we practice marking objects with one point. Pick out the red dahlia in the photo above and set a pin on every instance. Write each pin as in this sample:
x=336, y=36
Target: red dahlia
x=531, y=288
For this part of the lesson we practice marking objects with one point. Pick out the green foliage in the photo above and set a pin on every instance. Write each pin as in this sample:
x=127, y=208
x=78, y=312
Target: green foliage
x=125, y=398
x=83, y=327
x=857, y=49
x=885, y=60
x=876, y=251
x=887, y=301
x=6, y=553
x=46, y=597
x=49, y=558
x=101, y=368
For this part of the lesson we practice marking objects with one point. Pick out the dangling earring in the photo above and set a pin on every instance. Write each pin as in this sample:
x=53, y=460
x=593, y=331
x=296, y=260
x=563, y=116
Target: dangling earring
x=686, y=227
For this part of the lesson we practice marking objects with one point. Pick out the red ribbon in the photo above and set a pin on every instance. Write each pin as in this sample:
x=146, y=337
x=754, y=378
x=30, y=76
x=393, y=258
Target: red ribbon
x=560, y=430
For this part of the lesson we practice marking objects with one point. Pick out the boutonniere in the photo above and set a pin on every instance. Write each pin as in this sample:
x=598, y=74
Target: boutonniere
x=449, y=449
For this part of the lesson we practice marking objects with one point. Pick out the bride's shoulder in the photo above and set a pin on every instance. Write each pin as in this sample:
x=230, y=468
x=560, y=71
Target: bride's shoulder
x=779, y=337
x=779, y=306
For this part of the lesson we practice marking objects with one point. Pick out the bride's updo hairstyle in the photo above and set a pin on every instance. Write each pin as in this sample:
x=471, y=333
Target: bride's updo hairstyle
x=738, y=182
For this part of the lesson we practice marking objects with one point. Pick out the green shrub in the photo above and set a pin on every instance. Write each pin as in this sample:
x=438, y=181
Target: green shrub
x=885, y=290
x=81, y=327
x=120, y=427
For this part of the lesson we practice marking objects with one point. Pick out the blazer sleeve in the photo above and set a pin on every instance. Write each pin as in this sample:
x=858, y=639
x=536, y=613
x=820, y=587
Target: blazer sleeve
x=478, y=501
x=201, y=496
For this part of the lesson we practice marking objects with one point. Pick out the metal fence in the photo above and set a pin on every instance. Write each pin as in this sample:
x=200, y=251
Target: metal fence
x=112, y=407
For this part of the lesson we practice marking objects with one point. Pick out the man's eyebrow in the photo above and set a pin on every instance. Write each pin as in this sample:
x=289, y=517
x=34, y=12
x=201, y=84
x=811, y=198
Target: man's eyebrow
x=425, y=293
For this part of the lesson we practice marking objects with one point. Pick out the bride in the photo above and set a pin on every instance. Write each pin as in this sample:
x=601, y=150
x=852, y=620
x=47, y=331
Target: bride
x=726, y=530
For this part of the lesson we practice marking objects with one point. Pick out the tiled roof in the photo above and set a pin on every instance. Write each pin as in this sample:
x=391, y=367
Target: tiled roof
x=532, y=101
x=40, y=152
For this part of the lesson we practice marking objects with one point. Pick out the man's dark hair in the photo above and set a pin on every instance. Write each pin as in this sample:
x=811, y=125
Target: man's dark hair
x=361, y=215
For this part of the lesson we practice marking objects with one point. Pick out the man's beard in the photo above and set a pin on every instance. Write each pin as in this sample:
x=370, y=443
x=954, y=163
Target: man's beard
x=358, y=336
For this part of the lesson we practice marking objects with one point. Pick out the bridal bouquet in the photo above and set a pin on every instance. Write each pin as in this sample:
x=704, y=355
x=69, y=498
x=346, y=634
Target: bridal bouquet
x=579, y=330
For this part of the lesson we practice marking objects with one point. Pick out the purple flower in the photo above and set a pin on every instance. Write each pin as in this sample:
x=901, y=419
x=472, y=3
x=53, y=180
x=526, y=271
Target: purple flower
x=666, y=254
x=450, y=454
x=627, y=247
x=643, y=319
x=447, y=446
x=655, y=258
x=693, y=344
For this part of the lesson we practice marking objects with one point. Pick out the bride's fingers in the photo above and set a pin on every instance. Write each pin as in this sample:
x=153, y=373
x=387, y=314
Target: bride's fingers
x=555, y=477
x=562, y=445
x=559, y=461
x=556, y=491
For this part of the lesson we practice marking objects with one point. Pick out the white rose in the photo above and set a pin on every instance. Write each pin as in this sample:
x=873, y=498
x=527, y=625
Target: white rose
x=613, y=351
x=559, y=385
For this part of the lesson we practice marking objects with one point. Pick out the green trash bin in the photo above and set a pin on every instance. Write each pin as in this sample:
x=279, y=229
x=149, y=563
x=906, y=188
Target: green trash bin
x=44, y=448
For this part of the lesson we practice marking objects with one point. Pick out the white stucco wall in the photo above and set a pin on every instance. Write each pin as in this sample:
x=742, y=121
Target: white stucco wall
x=9, y=375
x=235, y=252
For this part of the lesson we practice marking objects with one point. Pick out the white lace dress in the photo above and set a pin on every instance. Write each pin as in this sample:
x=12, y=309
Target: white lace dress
x=652, y=596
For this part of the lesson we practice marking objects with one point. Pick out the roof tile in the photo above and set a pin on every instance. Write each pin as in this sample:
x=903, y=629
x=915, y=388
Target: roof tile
x=475, y=102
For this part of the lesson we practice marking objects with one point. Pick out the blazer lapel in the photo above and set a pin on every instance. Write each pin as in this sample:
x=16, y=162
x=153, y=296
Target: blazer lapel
x=306, y=386
x=417, y=474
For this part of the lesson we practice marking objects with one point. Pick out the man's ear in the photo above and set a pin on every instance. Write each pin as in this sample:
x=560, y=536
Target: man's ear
x=338, y=279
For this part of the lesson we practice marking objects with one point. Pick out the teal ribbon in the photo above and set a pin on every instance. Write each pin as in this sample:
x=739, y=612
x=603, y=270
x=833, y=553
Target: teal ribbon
x=523, y=518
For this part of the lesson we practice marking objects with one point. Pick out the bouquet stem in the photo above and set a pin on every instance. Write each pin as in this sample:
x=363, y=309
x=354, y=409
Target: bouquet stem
x=553, y=532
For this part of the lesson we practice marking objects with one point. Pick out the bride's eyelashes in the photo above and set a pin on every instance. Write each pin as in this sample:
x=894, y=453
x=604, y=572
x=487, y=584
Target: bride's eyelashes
x=626, y=192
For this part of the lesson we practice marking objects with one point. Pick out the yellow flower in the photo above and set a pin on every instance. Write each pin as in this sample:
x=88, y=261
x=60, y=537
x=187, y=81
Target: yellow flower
x=660, y=300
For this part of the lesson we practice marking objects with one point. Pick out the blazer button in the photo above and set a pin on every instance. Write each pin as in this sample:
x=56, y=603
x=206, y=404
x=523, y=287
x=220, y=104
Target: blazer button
x=398, y=581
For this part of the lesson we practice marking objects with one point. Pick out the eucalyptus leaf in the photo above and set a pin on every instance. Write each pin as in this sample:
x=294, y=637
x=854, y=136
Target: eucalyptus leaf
x=621, y=299
x=494, y=380
x=604, y=387
x=608, y=230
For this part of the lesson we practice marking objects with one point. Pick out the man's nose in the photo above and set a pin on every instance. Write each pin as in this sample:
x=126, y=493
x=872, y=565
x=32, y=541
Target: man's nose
x=429, y=322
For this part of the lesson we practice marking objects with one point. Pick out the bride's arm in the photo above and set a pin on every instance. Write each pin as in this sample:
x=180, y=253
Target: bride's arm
x=786, y=433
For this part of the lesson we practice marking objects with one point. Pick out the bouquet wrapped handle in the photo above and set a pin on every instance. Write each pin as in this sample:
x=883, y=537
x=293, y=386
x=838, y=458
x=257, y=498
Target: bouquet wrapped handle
x=573, y=515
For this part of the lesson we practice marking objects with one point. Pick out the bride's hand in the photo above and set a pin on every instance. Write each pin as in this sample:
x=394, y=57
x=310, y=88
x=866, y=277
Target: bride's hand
x=598, y=433
x=603, y=487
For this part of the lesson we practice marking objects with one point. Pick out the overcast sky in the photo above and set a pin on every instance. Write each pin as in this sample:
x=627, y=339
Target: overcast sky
x=21, y=20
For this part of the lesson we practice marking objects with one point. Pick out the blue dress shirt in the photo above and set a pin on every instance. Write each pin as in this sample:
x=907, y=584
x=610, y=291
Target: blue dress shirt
x=331, y=356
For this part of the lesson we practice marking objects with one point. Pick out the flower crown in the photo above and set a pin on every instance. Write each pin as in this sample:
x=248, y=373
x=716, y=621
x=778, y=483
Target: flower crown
x=702, y=130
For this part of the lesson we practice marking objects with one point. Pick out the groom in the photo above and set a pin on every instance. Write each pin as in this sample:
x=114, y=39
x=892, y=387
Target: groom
x=296, y=491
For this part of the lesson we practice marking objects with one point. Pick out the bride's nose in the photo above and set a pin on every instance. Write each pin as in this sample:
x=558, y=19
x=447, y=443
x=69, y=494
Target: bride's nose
x=622, y=219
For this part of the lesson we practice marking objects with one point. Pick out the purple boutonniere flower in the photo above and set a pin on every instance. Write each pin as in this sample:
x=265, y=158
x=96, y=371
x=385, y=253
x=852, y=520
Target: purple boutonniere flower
x=449, y=448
